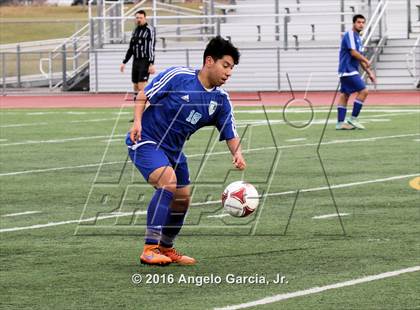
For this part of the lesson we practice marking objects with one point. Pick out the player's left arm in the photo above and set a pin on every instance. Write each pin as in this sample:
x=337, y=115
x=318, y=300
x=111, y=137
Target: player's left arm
x=363, y=60
x=369, y=72
x=234, y=146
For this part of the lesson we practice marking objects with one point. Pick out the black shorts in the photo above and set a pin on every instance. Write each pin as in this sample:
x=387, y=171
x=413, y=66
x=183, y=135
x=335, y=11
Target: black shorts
x=140, y=71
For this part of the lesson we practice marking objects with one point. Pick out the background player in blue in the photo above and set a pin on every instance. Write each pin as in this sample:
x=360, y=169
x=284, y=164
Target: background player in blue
x=182, y=100
x=351, y=55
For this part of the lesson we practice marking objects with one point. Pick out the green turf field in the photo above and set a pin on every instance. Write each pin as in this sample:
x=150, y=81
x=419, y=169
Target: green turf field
x=59, y=166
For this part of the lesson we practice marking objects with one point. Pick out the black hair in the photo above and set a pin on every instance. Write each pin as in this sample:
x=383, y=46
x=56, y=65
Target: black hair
x=357, y=16
x=141, y=12
x=219, y=47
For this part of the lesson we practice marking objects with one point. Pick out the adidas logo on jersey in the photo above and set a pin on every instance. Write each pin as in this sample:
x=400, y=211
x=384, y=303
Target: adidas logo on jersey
x=186, y=98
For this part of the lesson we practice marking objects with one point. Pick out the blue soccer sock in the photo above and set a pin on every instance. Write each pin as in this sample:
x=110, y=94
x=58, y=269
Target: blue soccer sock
x=357, y=106
x=157, y=212
x=173, y=225
x=341, y=113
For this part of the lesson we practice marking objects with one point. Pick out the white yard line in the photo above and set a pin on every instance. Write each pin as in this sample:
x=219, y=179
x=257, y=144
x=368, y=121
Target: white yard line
x=20, y=213
x=295, y=140
x=95, y=120
x=306, y=110
x=218, y=153
x=393, y=114
x=311, y=144
x=42, y=113
x=62, y=112
x=57, y=168
x=114, y=215
x=327, y=216
x=322, y=188
x=379, y=120
x=238, y=109
x=218, y=215
x=239, y=122
x=114, y=141
x=23, y=125
x=319, y=289
x=398, y=177
x=58, y=140
x=92, y=120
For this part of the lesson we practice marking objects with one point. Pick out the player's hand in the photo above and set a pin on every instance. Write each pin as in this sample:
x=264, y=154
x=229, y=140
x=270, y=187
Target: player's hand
x=152, y=69
x=135, y=132
x=239, y=161
x=367, y=64
x=122, y=66
x=372, y=77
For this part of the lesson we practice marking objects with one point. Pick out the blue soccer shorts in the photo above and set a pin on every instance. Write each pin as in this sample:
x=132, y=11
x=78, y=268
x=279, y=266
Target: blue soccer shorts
x=147, y=157
x=351, y=84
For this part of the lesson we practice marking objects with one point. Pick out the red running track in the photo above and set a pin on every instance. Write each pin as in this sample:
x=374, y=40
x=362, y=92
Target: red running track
x=272, y=99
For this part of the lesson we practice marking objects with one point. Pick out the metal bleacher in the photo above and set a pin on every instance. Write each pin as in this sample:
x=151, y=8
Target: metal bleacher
x=267, y=52
x=298, y=38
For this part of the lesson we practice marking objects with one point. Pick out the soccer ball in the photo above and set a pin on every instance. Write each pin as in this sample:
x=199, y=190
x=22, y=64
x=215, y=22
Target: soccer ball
x=240, y=199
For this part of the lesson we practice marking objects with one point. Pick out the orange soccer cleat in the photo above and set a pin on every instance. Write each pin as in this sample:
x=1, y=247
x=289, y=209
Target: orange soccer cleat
x=152, y=256
x=177, y=257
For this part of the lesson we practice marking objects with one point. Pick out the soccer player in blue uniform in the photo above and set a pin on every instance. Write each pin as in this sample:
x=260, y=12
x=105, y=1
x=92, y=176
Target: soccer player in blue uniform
x=182, y=100
x=351, y=55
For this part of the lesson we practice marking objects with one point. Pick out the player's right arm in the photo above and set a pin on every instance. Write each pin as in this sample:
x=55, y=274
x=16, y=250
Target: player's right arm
x=158, y=88
x=360, y=57
x=225, y=123
x=140, y=105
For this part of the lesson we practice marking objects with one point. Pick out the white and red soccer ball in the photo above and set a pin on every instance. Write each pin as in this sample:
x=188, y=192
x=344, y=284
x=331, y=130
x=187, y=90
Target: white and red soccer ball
x=240, y=199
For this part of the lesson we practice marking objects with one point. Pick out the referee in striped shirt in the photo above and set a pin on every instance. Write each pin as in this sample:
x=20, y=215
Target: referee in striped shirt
x=142, y=48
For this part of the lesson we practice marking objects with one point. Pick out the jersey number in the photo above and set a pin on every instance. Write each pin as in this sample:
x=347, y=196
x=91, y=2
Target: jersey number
x=194, y=117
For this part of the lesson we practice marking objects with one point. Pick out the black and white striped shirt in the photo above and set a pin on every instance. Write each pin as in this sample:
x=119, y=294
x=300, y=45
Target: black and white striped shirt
x=142, y=44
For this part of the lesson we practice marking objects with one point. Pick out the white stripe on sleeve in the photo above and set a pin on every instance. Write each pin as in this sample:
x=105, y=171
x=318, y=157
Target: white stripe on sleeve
x=162, y=85
x=167, y=76
x=351, y=38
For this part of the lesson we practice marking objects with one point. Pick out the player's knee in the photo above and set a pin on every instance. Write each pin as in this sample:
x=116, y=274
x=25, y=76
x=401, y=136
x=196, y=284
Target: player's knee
x=344, y=97
x=169, y=183
x=181, y=203
x=170, y=187
x=364, y=92
x=165, y=178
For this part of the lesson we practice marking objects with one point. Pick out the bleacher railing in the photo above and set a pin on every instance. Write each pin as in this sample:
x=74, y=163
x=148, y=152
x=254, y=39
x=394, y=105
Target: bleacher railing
x=110, y=26
x=413, y=62
x=267, y=75
x=71, y=52
x=376, y=26
x=180, y=28
x=374, y=35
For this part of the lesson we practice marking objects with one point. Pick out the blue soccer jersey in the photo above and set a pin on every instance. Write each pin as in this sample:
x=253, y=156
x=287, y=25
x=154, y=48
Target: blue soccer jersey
x=180, y=105
x=349, y=65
